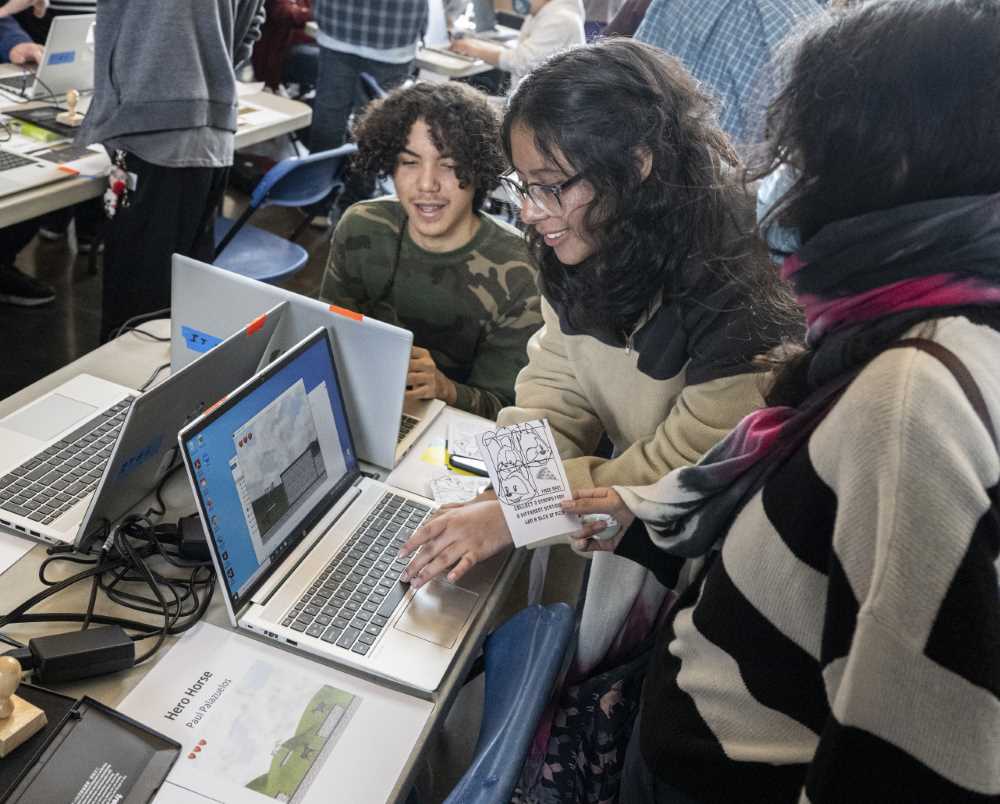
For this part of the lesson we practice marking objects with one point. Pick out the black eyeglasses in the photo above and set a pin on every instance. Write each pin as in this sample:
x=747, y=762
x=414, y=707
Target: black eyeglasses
x=547, y=197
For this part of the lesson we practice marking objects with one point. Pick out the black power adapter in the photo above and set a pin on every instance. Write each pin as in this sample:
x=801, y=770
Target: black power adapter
x=77, y=654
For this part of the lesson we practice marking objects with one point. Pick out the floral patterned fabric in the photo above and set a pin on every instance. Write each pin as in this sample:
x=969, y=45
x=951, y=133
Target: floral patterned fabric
x=589, y=731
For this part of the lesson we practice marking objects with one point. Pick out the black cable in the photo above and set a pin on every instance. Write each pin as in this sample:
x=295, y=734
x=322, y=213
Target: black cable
x=180, y=599
x=158, y=493
x=94, y=586
x=150, y=335
x=54, y=588
x=152, y=377
x=49, y=94
x=10, y=641
x=101, y=619
x=22, y=91
x=130, y=323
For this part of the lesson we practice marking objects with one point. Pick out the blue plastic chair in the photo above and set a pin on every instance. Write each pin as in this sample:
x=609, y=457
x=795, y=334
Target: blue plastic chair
x=293, y=182
x=523, y=658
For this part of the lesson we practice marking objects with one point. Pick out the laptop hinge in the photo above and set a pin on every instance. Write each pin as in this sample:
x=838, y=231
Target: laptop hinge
x=267, y=590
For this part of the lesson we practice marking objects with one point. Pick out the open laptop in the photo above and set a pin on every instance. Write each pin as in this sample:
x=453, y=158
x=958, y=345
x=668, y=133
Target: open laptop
x=25, y=171
x=68, y=64
x=373, y=357
x=81, y=456
x=305, y=546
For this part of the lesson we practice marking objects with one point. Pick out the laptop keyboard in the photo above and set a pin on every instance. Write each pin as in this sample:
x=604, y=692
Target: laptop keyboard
x=16, y=82
x=45, y=487
x=64, y=153
x=406, y=424
x=10, y=160
x=350, y=602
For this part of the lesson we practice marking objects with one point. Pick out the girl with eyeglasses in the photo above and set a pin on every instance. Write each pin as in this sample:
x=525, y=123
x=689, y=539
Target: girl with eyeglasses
x=656, y=300
x=837, y=636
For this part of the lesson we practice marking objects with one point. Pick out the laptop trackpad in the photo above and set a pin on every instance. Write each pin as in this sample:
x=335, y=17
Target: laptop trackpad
x=438, y=613
x=49, y=417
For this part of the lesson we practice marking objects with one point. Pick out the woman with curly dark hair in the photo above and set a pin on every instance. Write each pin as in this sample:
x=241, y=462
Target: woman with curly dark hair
x=657, y=299
x=428, y=259
x=837, y=636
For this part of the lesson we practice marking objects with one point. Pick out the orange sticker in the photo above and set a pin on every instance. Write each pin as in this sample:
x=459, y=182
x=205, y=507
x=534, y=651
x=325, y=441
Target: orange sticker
x=256, y=324
x=68, y=169
x=346, y=313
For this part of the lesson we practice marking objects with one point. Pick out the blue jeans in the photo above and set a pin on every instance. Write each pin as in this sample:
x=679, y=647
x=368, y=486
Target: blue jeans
x=639, y=784
x=301, y=67
x=338, y=93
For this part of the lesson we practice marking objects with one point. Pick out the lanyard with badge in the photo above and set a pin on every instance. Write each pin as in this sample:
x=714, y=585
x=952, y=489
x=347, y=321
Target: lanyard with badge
x=120, y=183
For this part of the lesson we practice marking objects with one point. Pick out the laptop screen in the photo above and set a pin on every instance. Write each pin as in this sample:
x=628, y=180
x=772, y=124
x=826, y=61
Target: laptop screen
x=265, y=459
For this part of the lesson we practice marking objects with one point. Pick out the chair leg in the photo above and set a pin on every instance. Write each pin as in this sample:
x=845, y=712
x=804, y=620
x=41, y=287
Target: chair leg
x=294, y=236
x=232, y=232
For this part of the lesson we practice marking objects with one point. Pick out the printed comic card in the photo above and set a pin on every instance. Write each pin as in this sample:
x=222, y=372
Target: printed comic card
x=529, y=481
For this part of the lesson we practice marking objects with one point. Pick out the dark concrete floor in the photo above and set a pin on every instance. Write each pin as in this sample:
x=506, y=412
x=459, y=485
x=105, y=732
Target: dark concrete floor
x=37, y=341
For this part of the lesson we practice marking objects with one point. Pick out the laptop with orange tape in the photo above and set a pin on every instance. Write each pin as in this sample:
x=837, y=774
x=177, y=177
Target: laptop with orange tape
x=78, y=458
x=208, y=303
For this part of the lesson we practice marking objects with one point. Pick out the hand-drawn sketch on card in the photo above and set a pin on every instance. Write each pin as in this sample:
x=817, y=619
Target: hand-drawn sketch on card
x=523, y=456
x=529, y=480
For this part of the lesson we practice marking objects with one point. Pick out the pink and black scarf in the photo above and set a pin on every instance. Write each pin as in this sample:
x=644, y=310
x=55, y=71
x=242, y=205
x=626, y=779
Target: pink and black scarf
x=892, y=268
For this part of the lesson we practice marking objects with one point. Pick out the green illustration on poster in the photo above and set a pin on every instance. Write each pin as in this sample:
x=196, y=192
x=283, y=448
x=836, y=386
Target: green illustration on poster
x=294, y=758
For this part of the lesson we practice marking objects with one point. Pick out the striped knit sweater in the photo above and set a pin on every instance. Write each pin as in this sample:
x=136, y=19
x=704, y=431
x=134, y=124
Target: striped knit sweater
x=844, y=646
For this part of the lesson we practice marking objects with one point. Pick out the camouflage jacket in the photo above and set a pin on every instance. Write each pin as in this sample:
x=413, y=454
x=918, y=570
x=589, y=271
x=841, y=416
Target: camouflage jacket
x=473, y=308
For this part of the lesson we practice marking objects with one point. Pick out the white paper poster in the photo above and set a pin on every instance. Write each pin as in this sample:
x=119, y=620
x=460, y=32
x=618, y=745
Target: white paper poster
x=529, y=481
x=259, y=725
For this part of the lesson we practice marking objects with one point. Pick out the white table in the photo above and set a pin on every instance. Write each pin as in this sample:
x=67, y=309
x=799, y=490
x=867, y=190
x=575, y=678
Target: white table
x=450, y=65
x=40, y=200
x=129, y=360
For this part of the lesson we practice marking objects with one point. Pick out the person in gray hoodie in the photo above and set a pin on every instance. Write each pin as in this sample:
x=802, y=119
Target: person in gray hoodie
x=165, y=107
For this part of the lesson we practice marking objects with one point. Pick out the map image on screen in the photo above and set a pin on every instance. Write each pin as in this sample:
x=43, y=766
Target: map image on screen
x=280, y=458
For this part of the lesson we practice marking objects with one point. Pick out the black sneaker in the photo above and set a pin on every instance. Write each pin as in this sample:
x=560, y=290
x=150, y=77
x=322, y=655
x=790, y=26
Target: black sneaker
x=24, y=291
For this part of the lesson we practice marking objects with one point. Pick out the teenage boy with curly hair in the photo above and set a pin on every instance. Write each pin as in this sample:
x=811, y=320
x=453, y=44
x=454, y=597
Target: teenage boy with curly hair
x=428, y=259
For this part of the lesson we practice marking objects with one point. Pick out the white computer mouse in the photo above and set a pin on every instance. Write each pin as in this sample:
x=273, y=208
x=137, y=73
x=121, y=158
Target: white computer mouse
x=609, y=532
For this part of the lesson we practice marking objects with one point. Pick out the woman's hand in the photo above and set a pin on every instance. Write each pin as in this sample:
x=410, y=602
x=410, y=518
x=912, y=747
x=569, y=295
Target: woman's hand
x=457, y=538
x=598, y=501
x=477, y=49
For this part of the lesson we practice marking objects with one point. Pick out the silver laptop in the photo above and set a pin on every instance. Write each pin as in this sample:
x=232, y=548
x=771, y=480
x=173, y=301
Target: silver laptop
x=68, y=64
x=373, y=357
x=20, y=171
x=78, y=458
x=305, y=546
